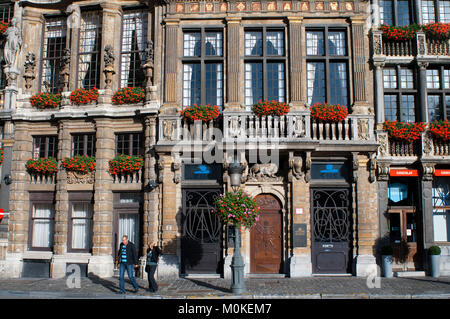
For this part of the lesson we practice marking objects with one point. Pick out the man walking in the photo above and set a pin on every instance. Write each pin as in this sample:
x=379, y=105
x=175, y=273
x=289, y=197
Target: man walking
x=128, y=260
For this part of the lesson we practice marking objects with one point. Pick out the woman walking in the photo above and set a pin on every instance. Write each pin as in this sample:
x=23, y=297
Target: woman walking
x=153, y=253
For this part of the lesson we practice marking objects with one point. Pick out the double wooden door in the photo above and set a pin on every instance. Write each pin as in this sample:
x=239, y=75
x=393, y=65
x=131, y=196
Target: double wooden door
x=266, y=253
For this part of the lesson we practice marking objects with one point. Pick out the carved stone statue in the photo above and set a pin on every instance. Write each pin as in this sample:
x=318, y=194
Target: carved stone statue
x=30, y=64
x=13, y=43
x=109, y=58
x=261, y=172
x=65, y=68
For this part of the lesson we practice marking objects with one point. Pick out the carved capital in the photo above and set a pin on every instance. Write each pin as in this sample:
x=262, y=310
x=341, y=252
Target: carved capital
x=427, y=171
x=383, y=171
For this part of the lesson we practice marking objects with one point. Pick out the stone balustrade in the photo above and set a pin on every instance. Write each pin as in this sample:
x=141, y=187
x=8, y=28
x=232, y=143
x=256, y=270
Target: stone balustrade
x=42, y=179
x=129, y=178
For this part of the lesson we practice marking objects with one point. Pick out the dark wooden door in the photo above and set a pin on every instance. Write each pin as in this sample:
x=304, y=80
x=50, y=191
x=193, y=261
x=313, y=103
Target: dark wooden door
x=266, y=237
x=331, y=230
x=201, y=251
x=405, y=234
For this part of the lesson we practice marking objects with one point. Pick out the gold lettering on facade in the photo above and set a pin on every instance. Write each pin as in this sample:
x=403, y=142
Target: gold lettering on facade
x=223, y=7
x=240, y=6
x=195, y=7
x=334, y=6
x=209, y=7
x=287, y=6
x=180, y=8
x=349, y=6
x=256, y=6
x=304, y=6
x=271, y=6
x=319, y=6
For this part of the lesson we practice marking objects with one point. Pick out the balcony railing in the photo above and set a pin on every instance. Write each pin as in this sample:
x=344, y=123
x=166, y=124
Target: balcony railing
x=129, y=178
x=42, y=179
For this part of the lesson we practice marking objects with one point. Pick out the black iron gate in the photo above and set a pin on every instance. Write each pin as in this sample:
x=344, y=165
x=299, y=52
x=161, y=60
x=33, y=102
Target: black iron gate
x=331, y=230
x=201, y=233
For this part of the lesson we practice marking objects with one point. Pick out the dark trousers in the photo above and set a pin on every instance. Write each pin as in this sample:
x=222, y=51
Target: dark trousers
x=152, y=285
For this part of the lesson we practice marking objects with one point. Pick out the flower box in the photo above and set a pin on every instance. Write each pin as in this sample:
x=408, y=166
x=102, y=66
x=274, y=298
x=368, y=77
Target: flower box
x=203, y=113
x=83, y=96
x=270, y=108
x=3, y=26
x=42, y=166
x=328, y=113
x=128, y=95
x=407, y=132
x=441, y=130
x=79, y=164
x=125, y=164
x=437, y=30
x=46, y=100
x=238, y=209
x=400, y=33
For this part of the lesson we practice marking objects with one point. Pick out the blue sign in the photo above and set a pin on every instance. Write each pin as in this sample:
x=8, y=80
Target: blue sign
x=202, y=170
x=329, y=169
x=334, y=171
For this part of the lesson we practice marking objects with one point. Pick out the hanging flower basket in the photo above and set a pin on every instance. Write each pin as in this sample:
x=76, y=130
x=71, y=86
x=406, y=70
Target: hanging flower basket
x=42, y=165
x=46, y=100
x=83, y=96
x=328, y=113
x=270, y=108
x=129, y=95
x=437, y=30
x=238, y=209
x=3, y=27
x=407, y=132
x=441, y=130
x=203, y=113
x=400, y=33
x=80, y=164
x=125, y=164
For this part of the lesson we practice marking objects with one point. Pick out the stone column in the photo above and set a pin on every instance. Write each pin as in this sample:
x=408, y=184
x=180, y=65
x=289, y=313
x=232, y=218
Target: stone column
x=300, y=263
x=234, y=62
x=61, y=205
x=426, y=188
x=19, y=204
x=423, y=116
x=296, y=60
x=171, y=84
x=366, y=223
x=101, y=262
x=169, y=266
x=379, y=93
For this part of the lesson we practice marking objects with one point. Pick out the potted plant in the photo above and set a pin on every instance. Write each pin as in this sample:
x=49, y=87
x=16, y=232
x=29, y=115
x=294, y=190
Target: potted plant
x=435, y=260
x=203, y=113
x=386, y=258
x=46, y=100
x=83, y=96
x=328, y=112
x=128, y=95
x=270, y=108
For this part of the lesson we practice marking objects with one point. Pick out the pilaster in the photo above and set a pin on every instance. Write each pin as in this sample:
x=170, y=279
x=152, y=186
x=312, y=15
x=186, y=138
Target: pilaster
x=296, y=60
x=171, y=66
x=233, y=57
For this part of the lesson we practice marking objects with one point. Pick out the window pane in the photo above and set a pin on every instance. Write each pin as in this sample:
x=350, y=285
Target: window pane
x=129, y=225
x=389, y=78
x=444, y=11
x=433, y=79
x=54, y=45
x=407, y=109
x=275, y=43
x=191, y=84
x=428, y=14
x=441, y=215
x=446, y=76
x=192, y=44
x=386, y=12
x=81, y=225
x=338, y=83
x=403, y=12
x=123, y=144
x=316, y=82
x=447, y=107
x=213, y=44
x=275, y=81
x=434, y=108
x=336, y=43
x=253, y=83
x=214, y=83
x=314, y=43
x=43, y=227
x=390, y=107
x=134, y=43
x=406, y=79
x=253, y=43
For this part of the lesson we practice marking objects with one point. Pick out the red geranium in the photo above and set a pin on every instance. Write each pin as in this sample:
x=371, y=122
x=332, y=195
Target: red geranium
x=204, y=113
x=45, y=100
x=83, y=96
x=1, y=155
x=3, y=26
x=399, y=33
x=441, y=130
x=273, y=108
x=129, y=95
x=437, y=30
x=79, y=163
x=407, y=132
x=42, y=165
x=328, y=113
x=125, y=164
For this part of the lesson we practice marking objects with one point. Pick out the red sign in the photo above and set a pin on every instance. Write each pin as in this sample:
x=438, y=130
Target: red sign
x=2, y=213
x=442, y=172
x=404, y=172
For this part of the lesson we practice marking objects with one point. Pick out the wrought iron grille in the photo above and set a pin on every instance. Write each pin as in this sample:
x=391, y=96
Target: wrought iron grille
x=331, y=215
x=199, y=222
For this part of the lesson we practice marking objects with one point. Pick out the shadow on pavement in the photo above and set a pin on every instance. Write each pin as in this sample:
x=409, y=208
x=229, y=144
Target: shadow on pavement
x=105, y=283
x=206, y=285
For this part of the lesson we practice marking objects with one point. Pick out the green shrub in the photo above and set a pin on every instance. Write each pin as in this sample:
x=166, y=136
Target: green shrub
x=434, y=250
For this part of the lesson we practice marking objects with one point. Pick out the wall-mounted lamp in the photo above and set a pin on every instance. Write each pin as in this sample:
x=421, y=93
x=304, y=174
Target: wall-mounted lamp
x=152, y=184
x=8, y=179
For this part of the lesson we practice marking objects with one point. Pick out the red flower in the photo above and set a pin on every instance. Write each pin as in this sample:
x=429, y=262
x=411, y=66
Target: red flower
x=204, y=113
x=270, y=108
x=407, y=132
x=328, y=113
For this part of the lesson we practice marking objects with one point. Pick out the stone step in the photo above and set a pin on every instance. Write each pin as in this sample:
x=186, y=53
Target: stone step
x=409, y=274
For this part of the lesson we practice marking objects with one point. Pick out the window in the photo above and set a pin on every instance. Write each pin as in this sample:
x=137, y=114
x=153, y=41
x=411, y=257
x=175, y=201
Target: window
x=441, y=209
x=399, y=94
x=130, y=144
x=83, y=144
x=81, y=226
x=42, y=226
x=55, y=35
x=438, y=94
x=203, y=67
x=435, y=11
x=6, y=14
x=134, y=43
x=395, y=12
x=45, y=147
x=89, y=50
x=327, y=66
x=264, y=65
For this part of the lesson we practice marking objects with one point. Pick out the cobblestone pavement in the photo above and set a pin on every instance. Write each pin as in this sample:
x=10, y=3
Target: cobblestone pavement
x=311, y=287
